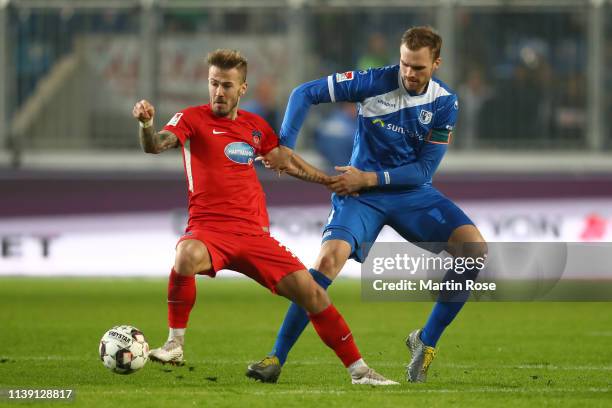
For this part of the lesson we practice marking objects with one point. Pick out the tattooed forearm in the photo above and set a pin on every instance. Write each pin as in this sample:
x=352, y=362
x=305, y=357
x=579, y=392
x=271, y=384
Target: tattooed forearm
x=310, y=177
x=153, y=142
x=302, y=170
x=146, y=139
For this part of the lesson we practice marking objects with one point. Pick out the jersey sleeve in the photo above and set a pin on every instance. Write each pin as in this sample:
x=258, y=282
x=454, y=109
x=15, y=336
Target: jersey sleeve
x=300, y=101
x=355, y=86
x=179, y=125
x=350, y=86
x=444, y=121
x=269, y=140
x=416, y=173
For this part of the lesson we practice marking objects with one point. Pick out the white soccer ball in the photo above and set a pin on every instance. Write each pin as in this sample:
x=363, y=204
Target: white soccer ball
x=124, y=349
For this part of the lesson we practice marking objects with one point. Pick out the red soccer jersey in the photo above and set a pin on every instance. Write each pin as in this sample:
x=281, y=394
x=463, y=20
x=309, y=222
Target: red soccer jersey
x=218, y=156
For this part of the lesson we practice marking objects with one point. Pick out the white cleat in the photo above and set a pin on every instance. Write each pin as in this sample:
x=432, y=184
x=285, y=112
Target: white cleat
x=169, y=353
x=368, y=376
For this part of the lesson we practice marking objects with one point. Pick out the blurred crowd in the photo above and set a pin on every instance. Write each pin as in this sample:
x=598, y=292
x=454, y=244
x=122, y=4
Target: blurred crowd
x=521, y=77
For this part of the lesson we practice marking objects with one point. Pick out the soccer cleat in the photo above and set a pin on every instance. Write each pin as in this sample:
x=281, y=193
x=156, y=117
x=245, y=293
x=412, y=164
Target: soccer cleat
x=422, y=356
x=169, y=353
x=368, y=376
x=267, y=370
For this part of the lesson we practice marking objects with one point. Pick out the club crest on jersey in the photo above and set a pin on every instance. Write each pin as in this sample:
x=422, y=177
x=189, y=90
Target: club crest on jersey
x=425, y=117
x=256, y=137
x=344, y=76
x=240, y=152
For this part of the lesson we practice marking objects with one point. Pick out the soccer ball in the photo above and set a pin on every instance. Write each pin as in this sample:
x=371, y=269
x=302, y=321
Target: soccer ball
x=124, y=349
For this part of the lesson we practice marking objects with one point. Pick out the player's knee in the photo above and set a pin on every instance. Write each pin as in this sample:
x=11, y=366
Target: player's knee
x=184, y=266
x=332, y=257
x=329, y=264
x=191, y=259
x=301, y=288
x=466, y=241
x=475, y=250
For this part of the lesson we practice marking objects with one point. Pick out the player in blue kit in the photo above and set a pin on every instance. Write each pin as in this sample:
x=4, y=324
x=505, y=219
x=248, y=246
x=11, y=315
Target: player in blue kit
x=405, y=123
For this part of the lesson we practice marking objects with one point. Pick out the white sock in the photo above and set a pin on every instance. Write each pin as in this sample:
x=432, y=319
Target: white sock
x=178, y=334
x=357, y=367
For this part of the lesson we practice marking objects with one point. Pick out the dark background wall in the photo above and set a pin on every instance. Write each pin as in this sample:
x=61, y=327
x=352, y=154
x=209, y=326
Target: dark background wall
x=53, y=192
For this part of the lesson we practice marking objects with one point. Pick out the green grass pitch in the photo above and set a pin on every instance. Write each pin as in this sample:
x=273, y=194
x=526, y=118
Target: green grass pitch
x=495, y=354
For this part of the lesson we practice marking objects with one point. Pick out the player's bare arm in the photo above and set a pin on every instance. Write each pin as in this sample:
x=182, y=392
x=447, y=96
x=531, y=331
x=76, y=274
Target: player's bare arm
x=296, y=167
x=301, y=169
x=150, y=140
x=352, y=180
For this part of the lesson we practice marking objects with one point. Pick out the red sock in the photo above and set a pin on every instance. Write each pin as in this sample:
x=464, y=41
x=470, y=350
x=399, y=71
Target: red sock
x=334, y=332
x=181, y=298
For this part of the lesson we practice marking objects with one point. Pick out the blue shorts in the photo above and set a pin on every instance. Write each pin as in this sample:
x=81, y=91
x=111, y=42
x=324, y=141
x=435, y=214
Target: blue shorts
x=424, y=216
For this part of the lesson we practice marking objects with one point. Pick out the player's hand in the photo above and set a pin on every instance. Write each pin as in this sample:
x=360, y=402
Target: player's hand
x=278, y=159
x=143, y=111
x=351, y=181
x=266, y=164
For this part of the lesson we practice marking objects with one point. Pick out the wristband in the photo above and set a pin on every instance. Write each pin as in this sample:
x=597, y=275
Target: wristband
x=383, y=178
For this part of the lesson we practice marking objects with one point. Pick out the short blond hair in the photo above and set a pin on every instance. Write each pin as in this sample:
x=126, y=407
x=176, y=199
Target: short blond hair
x=228, y=59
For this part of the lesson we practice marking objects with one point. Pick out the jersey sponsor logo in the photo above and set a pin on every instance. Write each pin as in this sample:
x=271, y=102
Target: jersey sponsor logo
x=175, y=119
x=398, y=129
x=425, y=117
x=240, y=152
x=379, y=122
x=345, y=76
x=385, y=103
x=218, y=132
x=456, y=104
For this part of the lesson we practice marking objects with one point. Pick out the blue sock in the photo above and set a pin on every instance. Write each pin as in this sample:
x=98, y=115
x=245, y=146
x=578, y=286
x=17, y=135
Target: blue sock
x=447, y=306
x=295, y=322
x=441, y=316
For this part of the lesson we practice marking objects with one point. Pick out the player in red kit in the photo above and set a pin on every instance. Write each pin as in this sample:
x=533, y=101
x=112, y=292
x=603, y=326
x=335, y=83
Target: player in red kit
x=228, y=221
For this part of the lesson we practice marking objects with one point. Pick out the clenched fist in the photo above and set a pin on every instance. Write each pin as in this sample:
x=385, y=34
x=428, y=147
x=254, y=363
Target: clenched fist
x=143, y=111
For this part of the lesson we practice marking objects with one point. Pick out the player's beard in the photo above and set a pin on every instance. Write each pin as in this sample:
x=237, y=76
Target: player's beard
x=226, y=109
x=414, y=86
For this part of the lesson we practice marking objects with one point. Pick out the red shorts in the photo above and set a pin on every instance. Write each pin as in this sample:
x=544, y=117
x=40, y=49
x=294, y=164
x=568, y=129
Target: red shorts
x=259, y=257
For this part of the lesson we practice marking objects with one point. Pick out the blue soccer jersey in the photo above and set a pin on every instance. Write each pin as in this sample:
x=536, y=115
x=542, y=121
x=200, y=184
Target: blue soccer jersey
x=401, y=137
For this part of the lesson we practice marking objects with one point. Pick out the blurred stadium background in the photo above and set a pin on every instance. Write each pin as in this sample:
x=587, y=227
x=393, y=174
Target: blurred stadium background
x=531, y=157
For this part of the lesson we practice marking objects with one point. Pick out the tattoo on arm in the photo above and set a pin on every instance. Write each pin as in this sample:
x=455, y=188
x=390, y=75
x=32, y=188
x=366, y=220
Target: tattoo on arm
x=304, y=171
x=157, y=142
